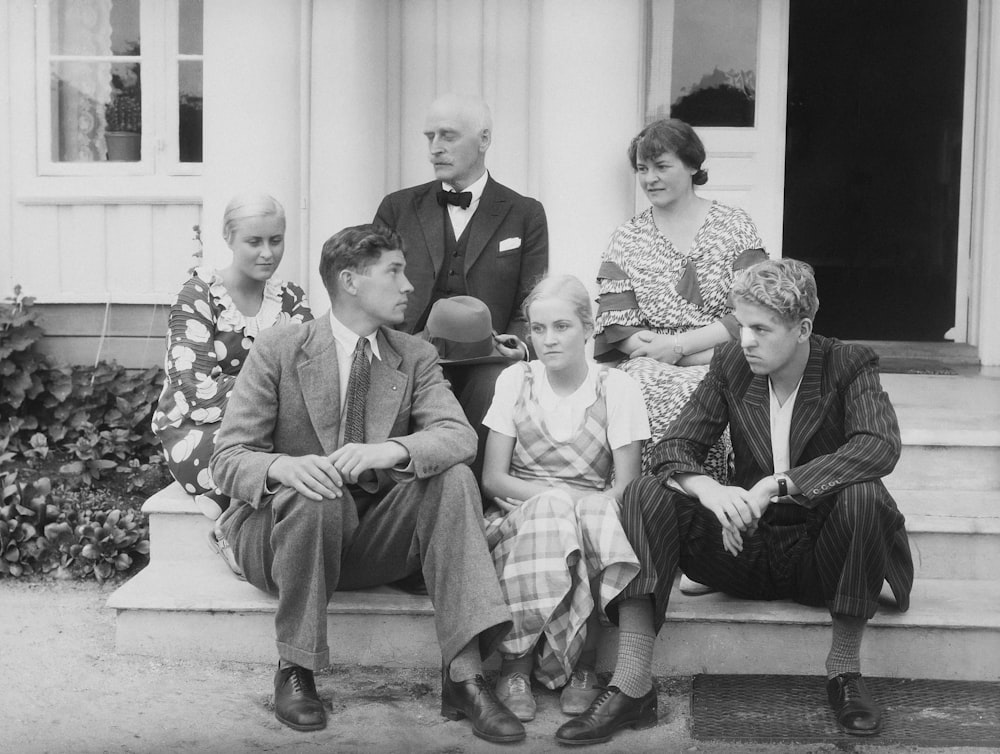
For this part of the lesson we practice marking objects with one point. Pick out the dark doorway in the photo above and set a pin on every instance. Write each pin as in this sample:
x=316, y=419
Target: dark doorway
x=873, y=162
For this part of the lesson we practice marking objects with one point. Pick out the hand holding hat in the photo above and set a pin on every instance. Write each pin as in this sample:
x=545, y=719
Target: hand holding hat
x=462, y=330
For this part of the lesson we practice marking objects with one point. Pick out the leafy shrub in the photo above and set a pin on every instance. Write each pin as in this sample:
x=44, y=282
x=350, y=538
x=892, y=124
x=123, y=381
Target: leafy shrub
x=100, y=415
x=39, y=536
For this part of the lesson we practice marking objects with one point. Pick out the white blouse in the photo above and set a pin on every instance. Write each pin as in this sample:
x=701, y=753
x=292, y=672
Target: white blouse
x=563, y=415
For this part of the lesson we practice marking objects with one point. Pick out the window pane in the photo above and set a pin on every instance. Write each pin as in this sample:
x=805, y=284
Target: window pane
x=710, y=60
x=96, y=112
x=189, y=116
x=190, y=31
x=94, y=27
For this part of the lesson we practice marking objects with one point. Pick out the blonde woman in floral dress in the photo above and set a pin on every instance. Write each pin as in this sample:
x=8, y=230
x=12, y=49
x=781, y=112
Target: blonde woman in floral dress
x=211, y=329
x=665, y=278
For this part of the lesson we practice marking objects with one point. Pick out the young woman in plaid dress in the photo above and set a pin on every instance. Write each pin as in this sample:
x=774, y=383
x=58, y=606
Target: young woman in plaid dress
x=565, y=439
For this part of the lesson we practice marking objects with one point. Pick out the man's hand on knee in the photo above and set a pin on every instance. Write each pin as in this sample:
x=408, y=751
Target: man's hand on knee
x=313, y=476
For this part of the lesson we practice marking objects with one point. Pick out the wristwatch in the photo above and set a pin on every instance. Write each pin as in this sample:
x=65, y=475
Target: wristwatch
x=678, y=348
x=782, y=481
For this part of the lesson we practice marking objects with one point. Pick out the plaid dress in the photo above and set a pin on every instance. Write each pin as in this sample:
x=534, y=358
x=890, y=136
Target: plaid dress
x=551, y=547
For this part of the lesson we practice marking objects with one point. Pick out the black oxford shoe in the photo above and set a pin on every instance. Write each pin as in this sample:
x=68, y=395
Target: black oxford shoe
x=609, y=713
x=854, y=707
x=296, y=702
x=477, y=701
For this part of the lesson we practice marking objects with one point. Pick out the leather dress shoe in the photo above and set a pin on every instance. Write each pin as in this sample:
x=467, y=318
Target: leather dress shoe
x=854, y=707
x=610, y=712
x=477, y=701
x=296, y=702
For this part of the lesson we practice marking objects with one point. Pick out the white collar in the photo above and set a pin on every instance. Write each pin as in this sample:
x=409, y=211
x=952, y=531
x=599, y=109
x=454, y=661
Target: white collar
x=476, y=189
x=349, y=339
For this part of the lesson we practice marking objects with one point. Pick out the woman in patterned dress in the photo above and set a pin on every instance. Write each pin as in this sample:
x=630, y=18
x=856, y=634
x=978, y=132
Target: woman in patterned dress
x=665, y=278
x=211, y=327
x=559, y=426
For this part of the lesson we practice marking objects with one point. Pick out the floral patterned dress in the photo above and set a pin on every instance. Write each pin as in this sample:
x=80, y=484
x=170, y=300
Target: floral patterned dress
x=208, y=341
x=645, y=283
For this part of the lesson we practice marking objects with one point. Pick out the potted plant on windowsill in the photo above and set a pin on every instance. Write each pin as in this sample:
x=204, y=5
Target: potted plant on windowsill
x=123, y=115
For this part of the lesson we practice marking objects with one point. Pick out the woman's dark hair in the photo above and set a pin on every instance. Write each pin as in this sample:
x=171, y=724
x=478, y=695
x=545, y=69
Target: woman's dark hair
x=670, y=135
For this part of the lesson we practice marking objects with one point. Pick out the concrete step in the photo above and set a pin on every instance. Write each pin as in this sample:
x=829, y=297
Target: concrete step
x=200, y=610
x=947, y=467
x=951, y=533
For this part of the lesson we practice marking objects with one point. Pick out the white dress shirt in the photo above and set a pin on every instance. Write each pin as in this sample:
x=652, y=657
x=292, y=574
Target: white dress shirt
x=461, y=217
x=781, y=427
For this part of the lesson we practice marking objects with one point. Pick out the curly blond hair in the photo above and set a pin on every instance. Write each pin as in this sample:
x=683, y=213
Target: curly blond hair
x=785, y=286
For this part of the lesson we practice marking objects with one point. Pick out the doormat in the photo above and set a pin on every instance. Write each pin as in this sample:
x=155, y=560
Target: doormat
x=903, y=365
x=791, y=708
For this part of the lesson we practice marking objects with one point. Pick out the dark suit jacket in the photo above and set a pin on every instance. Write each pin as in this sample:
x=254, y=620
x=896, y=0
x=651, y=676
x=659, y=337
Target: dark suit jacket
x=287, y=401
x=501, y=277
x=844, y=428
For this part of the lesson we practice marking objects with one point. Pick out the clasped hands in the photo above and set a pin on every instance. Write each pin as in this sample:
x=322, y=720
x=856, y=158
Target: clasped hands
x=738, y=510
x=323, y=477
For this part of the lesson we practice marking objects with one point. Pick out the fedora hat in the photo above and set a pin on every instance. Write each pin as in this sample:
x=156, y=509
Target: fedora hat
x=461, y=329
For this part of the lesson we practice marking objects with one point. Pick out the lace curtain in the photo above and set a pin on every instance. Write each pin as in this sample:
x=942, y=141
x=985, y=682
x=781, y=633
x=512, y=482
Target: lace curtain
x=80, y=89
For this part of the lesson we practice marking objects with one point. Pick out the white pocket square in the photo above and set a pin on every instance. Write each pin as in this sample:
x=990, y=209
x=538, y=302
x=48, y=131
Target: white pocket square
x=508, y=244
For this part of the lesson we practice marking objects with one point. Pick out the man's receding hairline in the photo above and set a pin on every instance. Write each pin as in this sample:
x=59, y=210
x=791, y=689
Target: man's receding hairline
x=467, y=108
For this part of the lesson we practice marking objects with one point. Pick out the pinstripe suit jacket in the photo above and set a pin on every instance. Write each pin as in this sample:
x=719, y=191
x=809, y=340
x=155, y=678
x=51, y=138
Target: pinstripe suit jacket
x=844, y=428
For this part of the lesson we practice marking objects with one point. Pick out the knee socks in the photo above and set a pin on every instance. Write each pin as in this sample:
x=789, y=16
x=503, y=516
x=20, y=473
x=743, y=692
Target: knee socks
x=845, y=650
x=634, y=666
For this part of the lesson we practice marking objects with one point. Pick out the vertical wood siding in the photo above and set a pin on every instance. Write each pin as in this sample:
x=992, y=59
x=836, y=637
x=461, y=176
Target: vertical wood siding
x=96, y=253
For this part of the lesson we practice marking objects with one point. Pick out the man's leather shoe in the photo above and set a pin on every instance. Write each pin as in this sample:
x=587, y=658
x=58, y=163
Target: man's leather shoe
x=477, y=701
x=854, y=707
x=296, y=702
x=610, y=712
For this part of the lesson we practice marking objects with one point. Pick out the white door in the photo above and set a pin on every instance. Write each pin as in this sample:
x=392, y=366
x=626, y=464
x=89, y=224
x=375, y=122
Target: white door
x=722, y=66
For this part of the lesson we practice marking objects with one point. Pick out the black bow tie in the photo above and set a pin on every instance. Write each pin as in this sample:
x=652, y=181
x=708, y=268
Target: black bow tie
x=459, y=198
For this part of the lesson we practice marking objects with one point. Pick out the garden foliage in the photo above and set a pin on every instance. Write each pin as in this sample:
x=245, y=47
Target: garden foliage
x=97, y=416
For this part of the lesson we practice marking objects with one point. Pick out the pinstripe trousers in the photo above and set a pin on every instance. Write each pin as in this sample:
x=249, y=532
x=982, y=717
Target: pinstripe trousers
x=836, y=554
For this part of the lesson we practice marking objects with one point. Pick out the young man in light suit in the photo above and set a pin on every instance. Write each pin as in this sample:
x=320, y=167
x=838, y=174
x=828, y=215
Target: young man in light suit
x=807, y=516
x=465, y=234
x=325, y=510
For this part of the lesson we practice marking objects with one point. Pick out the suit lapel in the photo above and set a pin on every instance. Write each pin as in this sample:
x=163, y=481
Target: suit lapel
x=809, y=408
x=755, y=418
x=385, y=394
x=320, y=382
x=493, y=207
x=431, y=218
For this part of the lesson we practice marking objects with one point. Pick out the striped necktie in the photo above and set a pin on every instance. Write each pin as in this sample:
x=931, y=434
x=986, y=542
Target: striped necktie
x=357, y=394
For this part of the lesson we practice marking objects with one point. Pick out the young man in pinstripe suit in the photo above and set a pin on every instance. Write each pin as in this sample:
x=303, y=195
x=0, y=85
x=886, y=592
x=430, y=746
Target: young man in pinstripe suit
x=806, y=516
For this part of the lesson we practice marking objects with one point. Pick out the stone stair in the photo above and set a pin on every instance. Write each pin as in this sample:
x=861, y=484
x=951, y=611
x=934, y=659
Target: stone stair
x=187, y=604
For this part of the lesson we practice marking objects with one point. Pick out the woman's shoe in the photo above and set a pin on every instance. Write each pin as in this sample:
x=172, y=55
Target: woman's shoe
x=692, y=588
x=221, y=548
x=580, y=692
x=514, y=692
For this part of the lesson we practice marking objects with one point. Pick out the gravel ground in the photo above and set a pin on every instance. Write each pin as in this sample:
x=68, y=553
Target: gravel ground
x=67, y=690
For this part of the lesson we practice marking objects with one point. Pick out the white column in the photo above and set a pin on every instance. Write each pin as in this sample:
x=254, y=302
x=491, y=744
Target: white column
x=7, y=281
x=989, y=211
x=349, y=124
x=251, y=128
x=586, y=64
